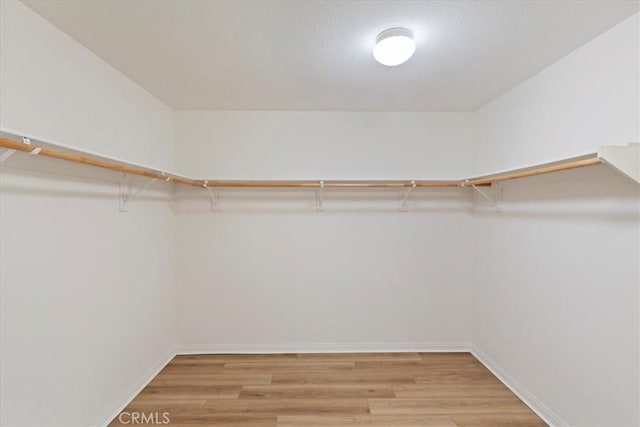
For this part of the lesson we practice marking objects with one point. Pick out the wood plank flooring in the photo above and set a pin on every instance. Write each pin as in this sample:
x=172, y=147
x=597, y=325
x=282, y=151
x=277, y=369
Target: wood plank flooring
x=368, y=389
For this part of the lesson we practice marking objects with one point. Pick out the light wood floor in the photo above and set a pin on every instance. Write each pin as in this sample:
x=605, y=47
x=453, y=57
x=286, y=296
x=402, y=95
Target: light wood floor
x=369, y=389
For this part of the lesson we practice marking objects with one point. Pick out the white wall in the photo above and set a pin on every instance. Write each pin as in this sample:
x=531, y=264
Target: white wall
x=87, y=293
x=556, y=278
x=267, y=272
x=587, y=99
x=52, y=87
x=323, y=145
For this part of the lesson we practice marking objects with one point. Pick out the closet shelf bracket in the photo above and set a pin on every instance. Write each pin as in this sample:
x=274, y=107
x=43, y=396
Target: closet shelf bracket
x=126, y=196
x=404, y=200
x=213, y=196
x=319, y=198
x=495, y=199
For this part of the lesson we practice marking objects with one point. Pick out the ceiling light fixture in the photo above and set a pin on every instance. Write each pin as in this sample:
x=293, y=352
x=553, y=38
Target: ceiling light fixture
x=394, y=46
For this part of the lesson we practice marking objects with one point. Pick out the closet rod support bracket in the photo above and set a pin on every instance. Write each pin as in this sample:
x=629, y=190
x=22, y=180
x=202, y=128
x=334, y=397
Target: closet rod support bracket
x=404, y=201
x=213, y=196
x=495, y=199
x=320, y=198
x=123, y=192
x=126, y=196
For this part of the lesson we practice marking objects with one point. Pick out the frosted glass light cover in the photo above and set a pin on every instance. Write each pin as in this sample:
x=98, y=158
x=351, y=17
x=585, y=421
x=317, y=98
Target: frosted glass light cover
x=394, y=46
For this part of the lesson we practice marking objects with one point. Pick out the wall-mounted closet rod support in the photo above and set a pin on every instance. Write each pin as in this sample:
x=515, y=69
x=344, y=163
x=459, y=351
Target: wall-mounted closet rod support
x=130, y=197
x=213, y=196
x=404, y=204
x=123, y=191
x=483, y=194
x=319, y=198
x=495, y=201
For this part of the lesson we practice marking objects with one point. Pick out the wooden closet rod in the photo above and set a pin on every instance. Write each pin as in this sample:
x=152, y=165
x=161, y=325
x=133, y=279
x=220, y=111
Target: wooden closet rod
x=78, y=158
x=150, y=173
x=573, y=163
x=523, y=173
x=332, y=184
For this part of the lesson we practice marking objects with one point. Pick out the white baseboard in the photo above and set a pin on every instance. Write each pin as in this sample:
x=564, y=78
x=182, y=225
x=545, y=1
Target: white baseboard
x=325, y=348
x=519, y=390
x=137, y=387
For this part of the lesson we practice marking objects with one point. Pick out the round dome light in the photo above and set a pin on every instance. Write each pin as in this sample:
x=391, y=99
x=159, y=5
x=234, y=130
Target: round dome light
x=394, y=46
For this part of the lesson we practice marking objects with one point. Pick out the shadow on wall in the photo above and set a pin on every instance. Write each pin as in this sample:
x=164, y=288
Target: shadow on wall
x=37, y=176
x=332, y=201
x=596, y=193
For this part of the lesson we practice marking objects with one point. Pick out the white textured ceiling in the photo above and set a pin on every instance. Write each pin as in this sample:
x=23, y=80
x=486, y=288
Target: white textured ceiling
x=317, y=55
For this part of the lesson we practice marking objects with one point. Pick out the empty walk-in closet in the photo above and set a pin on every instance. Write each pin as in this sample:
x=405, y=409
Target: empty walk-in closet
x=320, y=213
